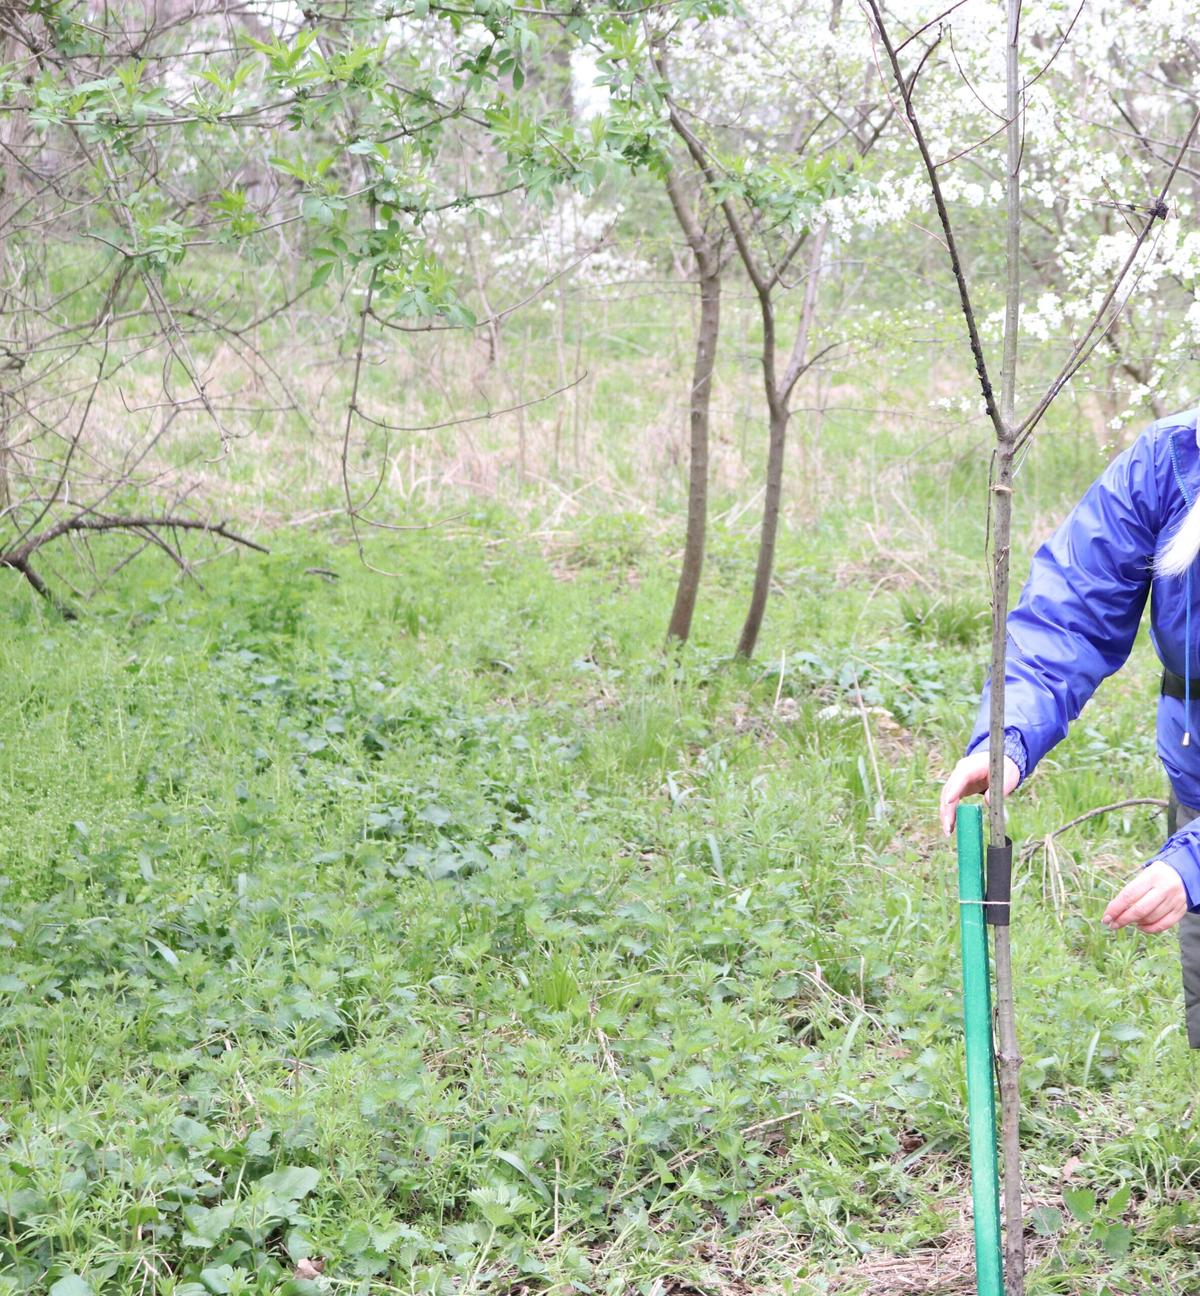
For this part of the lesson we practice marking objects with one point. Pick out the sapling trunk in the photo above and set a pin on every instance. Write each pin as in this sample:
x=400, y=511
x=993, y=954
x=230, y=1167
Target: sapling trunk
x=765, y=279
x=710, y=265
x=1001, y=504
x=1002, y=416
x=4, y=455
x=763, y=567
x=698, y=419
x=1008, y=1054
x=779, y=394
x=1011, y=435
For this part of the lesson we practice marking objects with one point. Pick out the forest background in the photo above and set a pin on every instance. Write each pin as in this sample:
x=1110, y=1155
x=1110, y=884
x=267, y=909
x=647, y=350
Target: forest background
x=392, y=910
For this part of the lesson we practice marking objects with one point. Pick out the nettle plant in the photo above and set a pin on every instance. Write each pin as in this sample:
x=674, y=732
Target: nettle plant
x=191, y=197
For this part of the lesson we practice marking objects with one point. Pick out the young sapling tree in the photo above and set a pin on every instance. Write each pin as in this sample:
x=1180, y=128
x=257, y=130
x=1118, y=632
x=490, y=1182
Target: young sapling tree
x=1011, y=432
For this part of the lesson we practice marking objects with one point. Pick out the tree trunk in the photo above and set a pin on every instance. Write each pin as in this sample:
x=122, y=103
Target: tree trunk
x=779, y=396
x=770, y=527
x=1008, y=1053
x=699, y=407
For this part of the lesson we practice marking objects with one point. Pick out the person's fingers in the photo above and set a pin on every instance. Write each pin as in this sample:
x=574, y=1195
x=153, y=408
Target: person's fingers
x=951, y=795
x=1169, y=885
x=1169, y=919
x=945, y=809
x=1117, y=913
x=1131, y=891
x=1150, y=908
x=968, y=777
x=1140, y=910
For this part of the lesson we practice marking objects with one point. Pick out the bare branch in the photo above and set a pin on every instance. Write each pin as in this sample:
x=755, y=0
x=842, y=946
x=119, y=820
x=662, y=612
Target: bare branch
x=964, y=296
x=1086, y=345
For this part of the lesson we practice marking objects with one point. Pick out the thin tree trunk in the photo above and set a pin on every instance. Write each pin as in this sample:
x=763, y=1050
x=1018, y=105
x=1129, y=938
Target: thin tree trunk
x=710, y=265
x=770, y=526
x=1008, y=1051
x=698, y=416
x=1010, y=435
x=779, y=395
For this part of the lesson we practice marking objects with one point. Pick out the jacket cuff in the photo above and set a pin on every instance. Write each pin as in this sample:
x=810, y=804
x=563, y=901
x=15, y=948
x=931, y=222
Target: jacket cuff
x=1014, y=749
x=1180, y=852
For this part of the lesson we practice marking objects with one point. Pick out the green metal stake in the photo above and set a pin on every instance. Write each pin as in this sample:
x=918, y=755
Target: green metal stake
x=977, y=1020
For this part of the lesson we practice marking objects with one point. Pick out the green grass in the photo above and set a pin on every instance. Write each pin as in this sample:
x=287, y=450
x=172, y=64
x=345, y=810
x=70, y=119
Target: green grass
x=444, y=929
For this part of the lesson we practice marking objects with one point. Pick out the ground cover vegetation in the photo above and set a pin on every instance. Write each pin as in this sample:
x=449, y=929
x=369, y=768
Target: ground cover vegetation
x=445, y=934
x=397, y=910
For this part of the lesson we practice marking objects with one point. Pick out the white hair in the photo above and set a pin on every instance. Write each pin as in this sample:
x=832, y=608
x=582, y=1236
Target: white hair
x=1183, y=546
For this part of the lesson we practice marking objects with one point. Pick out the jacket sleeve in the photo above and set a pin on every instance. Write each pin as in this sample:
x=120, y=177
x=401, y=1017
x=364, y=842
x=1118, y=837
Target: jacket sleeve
x=1078, y=614
x=1182, y=853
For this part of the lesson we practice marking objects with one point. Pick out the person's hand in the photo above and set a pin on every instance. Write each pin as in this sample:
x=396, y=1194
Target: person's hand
x=970, y=777
x=1153, y=901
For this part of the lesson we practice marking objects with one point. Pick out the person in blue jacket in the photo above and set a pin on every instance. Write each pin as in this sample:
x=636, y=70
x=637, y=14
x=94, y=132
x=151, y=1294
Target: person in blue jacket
x=1135, y=533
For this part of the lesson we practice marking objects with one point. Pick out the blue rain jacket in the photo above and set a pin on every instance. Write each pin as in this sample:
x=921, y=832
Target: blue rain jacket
x=1079, y=612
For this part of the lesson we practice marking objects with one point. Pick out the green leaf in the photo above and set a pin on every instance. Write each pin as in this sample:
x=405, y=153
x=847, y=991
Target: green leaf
x=167, y=953
x=191, y=1133
x=218, y=1280
x=141, y=1213
x=292, y=1183
x=356, y=1238
x=1046, y=1220
x=1116, y=1241
x=259, y=1142
x=535, y=1180
x=72, y=1285
x=207, y=1227
x=318, y=209
x=1081, y=1202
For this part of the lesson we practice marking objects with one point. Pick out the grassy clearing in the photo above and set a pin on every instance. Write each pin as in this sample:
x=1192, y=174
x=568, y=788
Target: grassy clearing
x=442, y=933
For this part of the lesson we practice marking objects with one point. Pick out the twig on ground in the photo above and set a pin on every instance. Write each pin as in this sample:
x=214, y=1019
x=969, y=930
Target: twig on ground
x=1034, y=844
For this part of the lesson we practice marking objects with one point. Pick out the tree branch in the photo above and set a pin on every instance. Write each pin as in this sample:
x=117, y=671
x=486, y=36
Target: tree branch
x=1085, y=346
x=964, y=296
x=92, y=522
